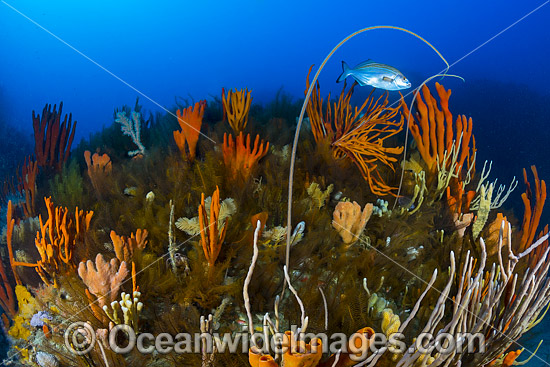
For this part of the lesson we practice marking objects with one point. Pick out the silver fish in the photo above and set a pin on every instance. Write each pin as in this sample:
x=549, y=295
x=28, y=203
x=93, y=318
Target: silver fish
x=376, y=75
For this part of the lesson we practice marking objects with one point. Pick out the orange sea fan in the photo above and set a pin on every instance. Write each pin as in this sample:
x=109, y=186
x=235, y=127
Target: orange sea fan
x=239, y=156
x=358, y=134
x=190, y=120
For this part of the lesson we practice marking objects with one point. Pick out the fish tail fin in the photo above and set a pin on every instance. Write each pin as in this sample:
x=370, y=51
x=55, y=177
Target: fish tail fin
x=345, y=72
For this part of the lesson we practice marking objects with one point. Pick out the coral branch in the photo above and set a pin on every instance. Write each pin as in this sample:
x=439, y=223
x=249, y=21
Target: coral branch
x=53, y=140
x=235, y=108
x=57, y=240
x=99, y=167
x=460, y=201
x=190, y=120
x=533, y=208
x=435, y=134
x=212, y=234
x=240, y=157
x=129, y=249
x=131, y=128
x=358, y=134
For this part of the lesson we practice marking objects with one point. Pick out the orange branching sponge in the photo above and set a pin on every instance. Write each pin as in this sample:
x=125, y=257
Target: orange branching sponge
x=533, y=209
x=27, y=185
x=493, y=232
x=99, y=167
x=358, y=134
x=57, y=240
x=235, y=107
x=7, y=295
x=212, y=235
x=129, y=249
x=103, y=278
x=135, y=287
x=435, y=134
x=460, y=201
x=239, y=156
x=190, y=120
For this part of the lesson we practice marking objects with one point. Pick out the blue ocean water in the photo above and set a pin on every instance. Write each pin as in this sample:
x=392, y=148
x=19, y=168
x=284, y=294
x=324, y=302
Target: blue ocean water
x=96, y=56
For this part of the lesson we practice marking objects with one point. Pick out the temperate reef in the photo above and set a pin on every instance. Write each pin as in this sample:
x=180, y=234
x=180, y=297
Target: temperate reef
x=175, y=224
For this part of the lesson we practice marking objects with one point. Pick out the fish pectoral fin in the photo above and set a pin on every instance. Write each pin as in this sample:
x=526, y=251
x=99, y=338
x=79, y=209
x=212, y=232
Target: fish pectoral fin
x=388, y=79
